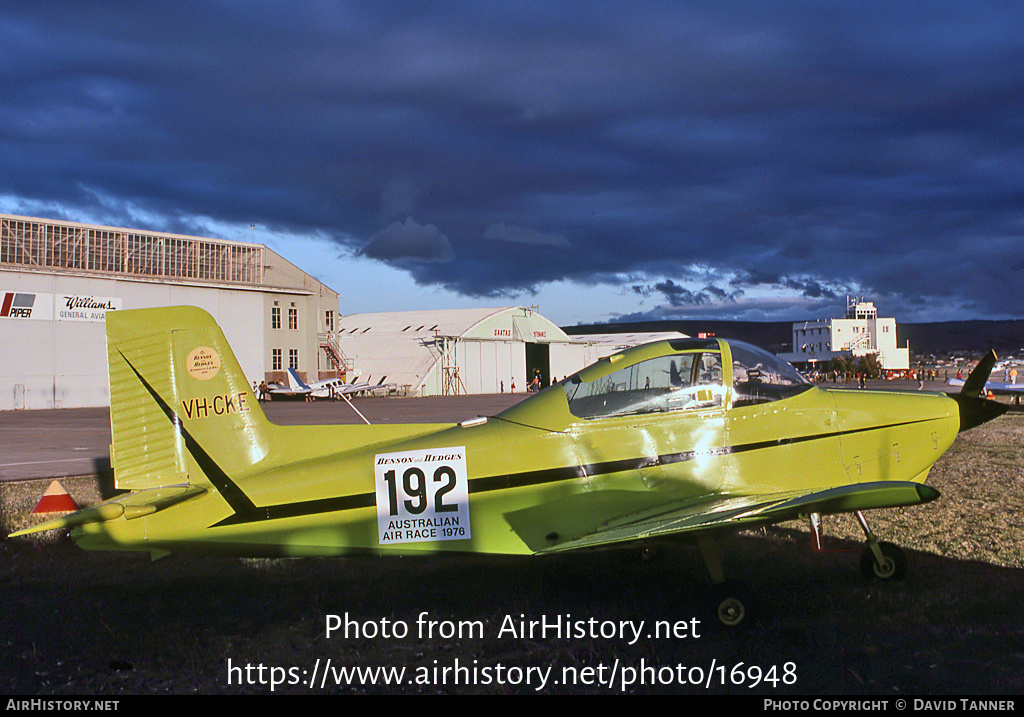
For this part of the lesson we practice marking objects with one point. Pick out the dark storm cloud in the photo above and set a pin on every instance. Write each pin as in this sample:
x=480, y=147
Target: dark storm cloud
x=404, y=242
x=679, y=296
x=706, y=151
x=806, y=287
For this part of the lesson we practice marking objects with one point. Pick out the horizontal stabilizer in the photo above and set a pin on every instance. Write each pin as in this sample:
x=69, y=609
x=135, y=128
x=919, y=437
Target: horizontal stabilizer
x=130, y=505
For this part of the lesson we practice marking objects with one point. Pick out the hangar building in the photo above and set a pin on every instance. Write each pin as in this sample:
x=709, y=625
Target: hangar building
x=459, y=351
x=58, y=279
x=469, y=351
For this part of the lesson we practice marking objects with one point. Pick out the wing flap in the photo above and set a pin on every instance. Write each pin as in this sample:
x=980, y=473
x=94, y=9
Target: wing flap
x=735, y=512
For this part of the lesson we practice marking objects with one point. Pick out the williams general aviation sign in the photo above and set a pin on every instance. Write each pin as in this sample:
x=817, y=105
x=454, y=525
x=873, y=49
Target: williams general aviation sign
x=60, y=307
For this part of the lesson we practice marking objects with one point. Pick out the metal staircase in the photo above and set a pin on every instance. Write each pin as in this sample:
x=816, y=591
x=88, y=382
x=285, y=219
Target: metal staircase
x=329, y=343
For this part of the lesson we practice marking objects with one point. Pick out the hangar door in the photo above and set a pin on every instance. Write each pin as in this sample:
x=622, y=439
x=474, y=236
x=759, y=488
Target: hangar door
x=487, y=366
x=538, y=358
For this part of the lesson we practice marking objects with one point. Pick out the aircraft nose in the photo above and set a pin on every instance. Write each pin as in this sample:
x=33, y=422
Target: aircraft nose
x=894, y=435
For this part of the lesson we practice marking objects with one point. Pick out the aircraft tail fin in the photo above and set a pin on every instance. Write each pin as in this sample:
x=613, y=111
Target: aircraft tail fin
x=975, y=409
x=974, y=386
x=294, y=382
x=181, y=409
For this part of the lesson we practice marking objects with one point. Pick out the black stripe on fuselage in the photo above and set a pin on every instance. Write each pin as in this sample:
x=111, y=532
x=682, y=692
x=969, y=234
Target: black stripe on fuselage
x=531, y=478
x=245, y=511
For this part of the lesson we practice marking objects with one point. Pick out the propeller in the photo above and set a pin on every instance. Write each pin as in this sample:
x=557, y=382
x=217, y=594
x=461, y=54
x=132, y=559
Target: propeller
x=975, y=409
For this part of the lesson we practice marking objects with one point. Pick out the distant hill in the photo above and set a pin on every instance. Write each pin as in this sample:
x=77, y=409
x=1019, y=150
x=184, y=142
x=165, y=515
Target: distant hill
x=773, y=336
x=1006, y=337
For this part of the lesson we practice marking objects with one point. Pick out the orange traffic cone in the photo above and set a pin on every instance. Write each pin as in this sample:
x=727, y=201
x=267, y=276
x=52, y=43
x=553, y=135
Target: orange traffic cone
x=55, y=500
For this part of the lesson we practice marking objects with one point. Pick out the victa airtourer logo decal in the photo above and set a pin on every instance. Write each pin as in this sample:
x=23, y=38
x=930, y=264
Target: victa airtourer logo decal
x=422, y=495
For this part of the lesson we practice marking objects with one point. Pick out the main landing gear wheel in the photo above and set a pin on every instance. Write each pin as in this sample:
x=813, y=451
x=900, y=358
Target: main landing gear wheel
x=733, y=605
x=732, y=611
x=732, y=602
x=893, y=565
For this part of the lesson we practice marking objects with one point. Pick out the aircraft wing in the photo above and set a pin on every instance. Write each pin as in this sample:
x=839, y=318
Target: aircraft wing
x=1005, y=388
x=353, y=387
x=294, y=387
x=995, y=387
x=286, y=392
x=731, y=512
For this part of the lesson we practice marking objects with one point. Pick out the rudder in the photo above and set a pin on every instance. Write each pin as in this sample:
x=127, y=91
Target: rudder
x=178, y=400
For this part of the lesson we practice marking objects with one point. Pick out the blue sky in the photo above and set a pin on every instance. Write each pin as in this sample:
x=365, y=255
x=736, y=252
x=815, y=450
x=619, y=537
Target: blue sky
x=603, y=160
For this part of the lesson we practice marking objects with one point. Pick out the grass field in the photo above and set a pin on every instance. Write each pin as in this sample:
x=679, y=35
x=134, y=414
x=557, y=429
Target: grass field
x=75, y=622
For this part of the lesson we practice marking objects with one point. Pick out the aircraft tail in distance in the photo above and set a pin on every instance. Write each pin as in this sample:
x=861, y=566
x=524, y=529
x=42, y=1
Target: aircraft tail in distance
x=295, y=383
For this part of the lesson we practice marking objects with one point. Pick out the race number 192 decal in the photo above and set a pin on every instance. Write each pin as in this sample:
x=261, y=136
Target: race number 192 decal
x=422, y=495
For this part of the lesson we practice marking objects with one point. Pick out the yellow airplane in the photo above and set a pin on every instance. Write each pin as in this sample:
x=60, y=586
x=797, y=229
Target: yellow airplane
x=674, y=439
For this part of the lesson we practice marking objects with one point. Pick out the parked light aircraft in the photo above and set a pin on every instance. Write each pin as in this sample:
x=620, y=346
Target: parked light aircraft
x=998, y=388
x=674, y=439
x=369, y=387
x=296, y=388
x=327, y=388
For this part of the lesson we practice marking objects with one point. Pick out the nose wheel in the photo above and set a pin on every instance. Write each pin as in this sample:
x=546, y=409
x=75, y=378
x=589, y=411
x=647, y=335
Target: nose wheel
x=892, y=565
x=880, y=560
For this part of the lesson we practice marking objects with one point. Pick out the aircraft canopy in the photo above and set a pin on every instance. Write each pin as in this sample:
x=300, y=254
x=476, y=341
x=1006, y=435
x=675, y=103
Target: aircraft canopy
x=689, y=380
